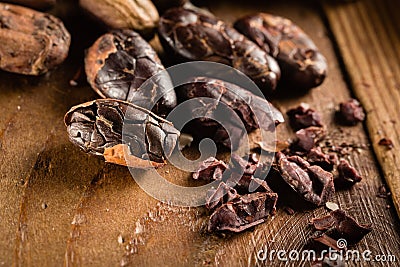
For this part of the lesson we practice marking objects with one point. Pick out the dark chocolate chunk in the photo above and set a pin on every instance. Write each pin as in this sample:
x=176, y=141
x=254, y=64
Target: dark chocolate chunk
x=347, y=173
x=382, y=192
x=303, y=116
x=346, y=226
x=223, y=194
x=326, y=240
x=316, y=157
x=386, y=142
x=210, y=169
x=351, y=112
x=243, y=212
x=311, y=182
x=307, y=138
x=302, y=65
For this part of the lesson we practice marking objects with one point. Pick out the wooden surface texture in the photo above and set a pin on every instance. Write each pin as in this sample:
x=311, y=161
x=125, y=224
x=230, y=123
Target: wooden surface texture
x=59, y=206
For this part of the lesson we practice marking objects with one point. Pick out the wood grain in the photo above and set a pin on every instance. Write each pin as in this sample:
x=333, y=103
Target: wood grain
x=89, y=204
x=368, y=38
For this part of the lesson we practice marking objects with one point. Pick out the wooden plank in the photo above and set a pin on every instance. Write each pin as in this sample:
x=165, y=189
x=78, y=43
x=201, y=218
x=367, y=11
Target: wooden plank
x=89, y=203
x=368, y=37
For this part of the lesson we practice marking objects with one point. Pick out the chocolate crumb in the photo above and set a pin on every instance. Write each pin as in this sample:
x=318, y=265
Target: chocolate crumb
x=210, y=169
x=243, y=212
x=347, y=174
x=307, y=138
x=303, y=116
x=386, y=142
x=351, y=112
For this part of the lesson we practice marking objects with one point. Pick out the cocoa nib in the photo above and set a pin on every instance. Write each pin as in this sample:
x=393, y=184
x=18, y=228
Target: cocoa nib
x=219, y=196
x=382, y=192
x=311, y=182
x=210, y=169
x=316, y=157
x=243, y=212
x=347, y=173
x=307, y=138
x=303, y=116
x=386, y=142
x=350, y=112
x=347, y=227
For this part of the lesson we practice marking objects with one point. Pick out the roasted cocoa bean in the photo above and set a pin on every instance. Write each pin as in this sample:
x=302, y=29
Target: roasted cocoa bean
x=302, y=65
x=194, y=35
x=254, y=112
x=96, y=127
x=119, y=62
x=31, y=42
x=139, y=15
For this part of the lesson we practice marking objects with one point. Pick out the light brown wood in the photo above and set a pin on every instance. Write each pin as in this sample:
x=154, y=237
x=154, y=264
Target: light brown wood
x=368, y=38
x=60, y=206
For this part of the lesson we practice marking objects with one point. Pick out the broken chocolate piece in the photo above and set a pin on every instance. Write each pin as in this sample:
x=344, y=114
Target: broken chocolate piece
x=351, y=112
x=347, y=173
x=346, y=226
x=210, y=169
x=382, y=192
x=386, y=142
x=303, y=116
x=311, y=182
x=316, y=157
x=243, y=212
x=326, y=240
x=307, y=138
x=219, y=196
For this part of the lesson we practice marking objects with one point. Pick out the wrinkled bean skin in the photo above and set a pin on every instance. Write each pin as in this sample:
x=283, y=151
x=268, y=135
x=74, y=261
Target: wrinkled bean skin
x=302, y=65
x=119, y=62
x=139, y=15
x=96, y=127
x=194, y=35
x=31, y=42
x=253, y=111
x=35, y=4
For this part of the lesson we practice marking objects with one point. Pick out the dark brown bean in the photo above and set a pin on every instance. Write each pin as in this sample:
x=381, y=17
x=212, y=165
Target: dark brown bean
x=302, y=65
x=97, y=126
x=255, y=112
x=31, y=42
x=139, y=15
x=194, y=35
x=119, y=62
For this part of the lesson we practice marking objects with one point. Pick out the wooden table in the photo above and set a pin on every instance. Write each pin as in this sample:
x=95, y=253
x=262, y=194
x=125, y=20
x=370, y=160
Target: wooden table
x=61, y=206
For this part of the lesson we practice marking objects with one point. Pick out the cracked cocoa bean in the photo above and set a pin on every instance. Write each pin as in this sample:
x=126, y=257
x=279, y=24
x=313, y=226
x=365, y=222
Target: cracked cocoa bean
x=253, y=111
x=194, y=35
x=120, y=62
x=97, y=128
x=302, y=65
